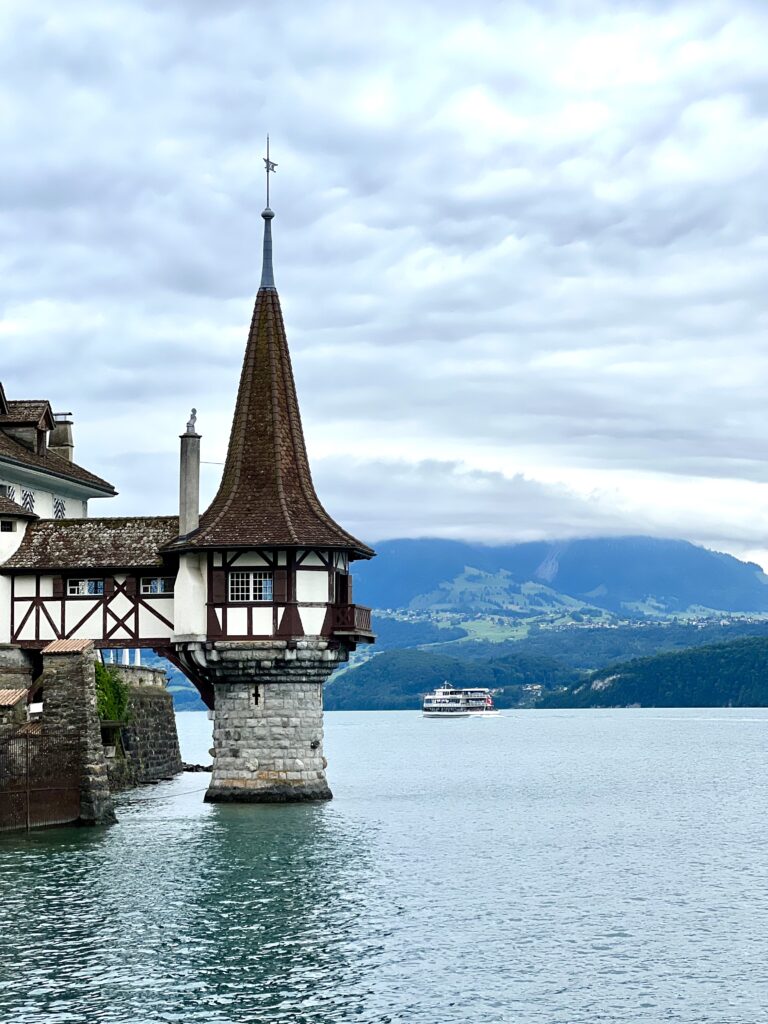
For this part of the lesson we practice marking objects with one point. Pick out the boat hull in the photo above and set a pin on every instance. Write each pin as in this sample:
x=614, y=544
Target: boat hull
x=445, y=714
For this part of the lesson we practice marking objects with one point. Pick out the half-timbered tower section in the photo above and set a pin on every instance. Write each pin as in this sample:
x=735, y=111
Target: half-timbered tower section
x=252, y=599
x=264, y=597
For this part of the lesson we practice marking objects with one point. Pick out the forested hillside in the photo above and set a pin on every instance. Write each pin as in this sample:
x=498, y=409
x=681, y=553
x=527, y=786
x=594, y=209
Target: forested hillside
x=395, y=680
x=718, y=676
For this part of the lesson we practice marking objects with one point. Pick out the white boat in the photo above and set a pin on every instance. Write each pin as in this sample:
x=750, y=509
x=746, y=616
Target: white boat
x=448, y=702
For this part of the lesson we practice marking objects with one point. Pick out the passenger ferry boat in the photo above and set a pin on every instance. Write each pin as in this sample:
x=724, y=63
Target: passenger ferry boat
x=448, y=702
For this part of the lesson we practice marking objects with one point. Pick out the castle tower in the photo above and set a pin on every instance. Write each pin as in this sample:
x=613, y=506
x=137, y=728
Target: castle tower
x=263, y=599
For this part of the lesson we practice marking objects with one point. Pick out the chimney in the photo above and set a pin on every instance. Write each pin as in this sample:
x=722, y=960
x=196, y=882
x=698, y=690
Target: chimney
x=60, y=441
x=189, y=479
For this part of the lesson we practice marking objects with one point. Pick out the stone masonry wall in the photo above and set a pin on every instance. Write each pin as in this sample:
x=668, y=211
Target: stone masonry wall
x=69, y=701
x=15, y=668
x=268, y=722
x=149, y=737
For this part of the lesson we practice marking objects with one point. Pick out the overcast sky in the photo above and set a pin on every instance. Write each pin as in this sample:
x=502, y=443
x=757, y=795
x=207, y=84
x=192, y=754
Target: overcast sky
x=521, y=251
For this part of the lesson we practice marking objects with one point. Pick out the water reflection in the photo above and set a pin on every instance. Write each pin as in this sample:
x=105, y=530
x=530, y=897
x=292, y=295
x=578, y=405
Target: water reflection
x=541, y=868
x=187, y=912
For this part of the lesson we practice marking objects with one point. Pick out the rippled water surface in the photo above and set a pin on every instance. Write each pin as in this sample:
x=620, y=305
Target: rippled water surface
x=553, y=867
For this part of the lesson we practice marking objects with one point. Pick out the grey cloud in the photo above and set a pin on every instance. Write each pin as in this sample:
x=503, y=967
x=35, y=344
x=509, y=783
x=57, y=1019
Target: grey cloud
x=454, y=279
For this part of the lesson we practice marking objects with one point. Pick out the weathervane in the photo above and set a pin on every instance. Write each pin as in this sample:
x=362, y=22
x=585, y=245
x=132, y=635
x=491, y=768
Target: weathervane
x=270, y=167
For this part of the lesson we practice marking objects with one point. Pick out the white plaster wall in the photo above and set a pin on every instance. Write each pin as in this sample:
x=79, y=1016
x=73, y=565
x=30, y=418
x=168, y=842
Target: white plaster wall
x=262, y=621
x=46, y=586
x=281, y=559
x=43, y=504
x=90, y=630
x=312, y=620
x=28, y=632
x=237, y=621
x=119, y=605
x=149, y=625
x=311, y=586
x=5, y=609
x=10, y=542
x=189, y=598
x=250, y=558
x=313, y=559
x=46, y=631
x=25, y=586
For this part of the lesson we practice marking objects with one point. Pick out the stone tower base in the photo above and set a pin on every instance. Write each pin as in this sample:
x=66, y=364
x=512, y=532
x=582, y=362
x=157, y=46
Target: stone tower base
x=268, y=719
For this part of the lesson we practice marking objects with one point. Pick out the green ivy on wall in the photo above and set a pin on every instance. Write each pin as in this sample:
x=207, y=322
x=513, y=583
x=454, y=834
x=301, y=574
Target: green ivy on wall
x=111, y=694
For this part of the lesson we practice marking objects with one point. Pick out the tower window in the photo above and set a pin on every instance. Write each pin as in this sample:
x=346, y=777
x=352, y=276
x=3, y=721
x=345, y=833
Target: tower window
x=7, y=526
x=250, y=586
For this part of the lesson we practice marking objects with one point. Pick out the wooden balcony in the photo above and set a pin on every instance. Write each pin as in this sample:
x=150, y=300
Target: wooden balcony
x=352, y=620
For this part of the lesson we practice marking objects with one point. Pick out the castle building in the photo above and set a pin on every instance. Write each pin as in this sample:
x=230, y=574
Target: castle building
x=252, y=599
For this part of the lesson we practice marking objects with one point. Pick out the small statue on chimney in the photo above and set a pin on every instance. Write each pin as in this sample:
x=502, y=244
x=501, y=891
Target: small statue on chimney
x=191, y=422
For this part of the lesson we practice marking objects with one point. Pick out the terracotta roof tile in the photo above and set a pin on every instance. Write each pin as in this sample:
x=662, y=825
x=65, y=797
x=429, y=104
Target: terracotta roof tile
x=10, y=508
x=68, y=647
x=11, y=451
x=10, y=698
x=266, y=496
x=103, y=543
x=30, y=729
x=29, y=412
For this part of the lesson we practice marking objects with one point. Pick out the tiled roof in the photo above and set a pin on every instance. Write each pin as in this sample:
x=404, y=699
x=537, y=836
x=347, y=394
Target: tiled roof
x=12, y=451
x=10, y=508
x=104, y=543
x=68, y=647
x=266, y=495
x=10, y=698
x=30, y=412
x=30, y=729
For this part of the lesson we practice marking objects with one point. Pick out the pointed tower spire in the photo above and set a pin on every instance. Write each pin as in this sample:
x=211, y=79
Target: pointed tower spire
x=266, y=497
x=267, y=275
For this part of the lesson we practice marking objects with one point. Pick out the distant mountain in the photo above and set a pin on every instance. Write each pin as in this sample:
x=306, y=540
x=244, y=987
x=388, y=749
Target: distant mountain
x=722, y=675
x=640, y=576
x=592, y=647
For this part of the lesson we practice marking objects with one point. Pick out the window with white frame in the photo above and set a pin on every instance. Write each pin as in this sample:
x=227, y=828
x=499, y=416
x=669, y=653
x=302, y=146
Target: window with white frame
x=28, y=500
x=85, y=588
x=254, y=585
x=157, y=585
x=59, y=508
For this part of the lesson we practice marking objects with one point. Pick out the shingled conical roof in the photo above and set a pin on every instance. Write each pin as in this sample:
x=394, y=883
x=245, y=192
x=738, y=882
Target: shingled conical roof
x=266, y=496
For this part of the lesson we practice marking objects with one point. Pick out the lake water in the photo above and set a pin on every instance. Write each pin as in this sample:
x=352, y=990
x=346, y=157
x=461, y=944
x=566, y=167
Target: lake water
x=541, y=868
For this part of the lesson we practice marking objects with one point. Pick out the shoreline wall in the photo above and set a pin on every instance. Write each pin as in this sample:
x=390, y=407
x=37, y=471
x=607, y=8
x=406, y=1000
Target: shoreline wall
x=149, y=740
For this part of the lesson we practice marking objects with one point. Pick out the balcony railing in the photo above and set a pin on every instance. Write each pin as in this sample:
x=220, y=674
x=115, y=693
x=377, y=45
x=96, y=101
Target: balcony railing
x=352, y=618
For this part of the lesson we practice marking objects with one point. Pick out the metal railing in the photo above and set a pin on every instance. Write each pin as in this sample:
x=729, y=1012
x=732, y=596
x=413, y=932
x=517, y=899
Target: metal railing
x=39, y=781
